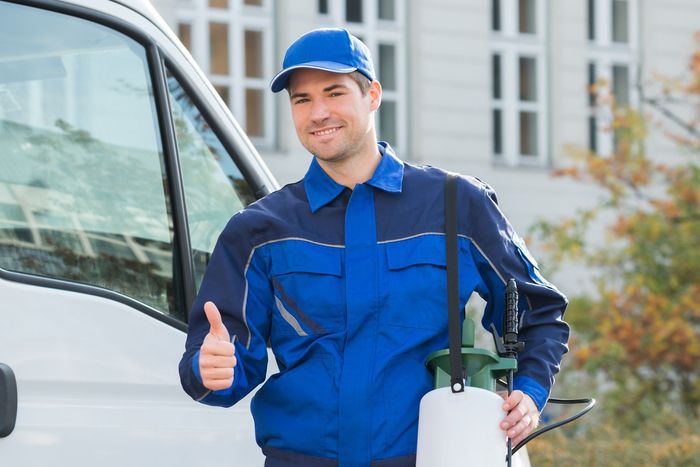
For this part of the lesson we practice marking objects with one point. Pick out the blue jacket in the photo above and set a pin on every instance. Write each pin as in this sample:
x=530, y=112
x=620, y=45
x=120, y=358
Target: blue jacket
x=348, y=288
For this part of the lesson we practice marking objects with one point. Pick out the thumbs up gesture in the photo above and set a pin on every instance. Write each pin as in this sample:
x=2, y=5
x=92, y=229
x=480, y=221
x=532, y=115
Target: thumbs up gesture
x=216, y=356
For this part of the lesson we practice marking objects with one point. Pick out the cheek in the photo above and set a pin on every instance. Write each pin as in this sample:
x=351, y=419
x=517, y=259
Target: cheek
x=298, y=119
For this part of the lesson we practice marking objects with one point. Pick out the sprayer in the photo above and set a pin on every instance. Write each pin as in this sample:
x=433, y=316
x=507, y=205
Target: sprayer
x=459, y=420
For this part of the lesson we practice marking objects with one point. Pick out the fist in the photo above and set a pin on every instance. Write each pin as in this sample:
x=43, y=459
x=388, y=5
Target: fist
x=217, y=355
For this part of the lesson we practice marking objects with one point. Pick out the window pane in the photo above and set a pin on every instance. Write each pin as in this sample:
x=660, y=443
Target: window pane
x=253, y=54
x=387, y=122
x=386, y=10
x=254, y=101
x=214, y=186
x=528, y=79
x=591, y=20
x=591, y=82
x=218, y=48
x=495, y=15
x=527, y=16
x=224, y=93
x=528, y=133
x=82, y=185
x=353, y=11
x=184, y=32
x=620, y=21
x=218, y=3
x=621, y=88
x=323, y=7
x=387, y=66
x=592, y=134
x=497, y=132
x=496, y=76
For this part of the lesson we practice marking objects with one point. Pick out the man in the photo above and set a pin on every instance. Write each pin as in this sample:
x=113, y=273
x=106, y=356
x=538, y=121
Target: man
x=343, y=273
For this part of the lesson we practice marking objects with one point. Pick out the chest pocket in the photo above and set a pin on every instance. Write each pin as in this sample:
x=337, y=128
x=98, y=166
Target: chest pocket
x=417, y=279
x=309, y=288
x=416, y=275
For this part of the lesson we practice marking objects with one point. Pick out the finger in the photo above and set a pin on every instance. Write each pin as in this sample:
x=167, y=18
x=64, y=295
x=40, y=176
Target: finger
x=512, y=400
x=525, y=433
x=211, y=361
x=523, y=425
x=218, y=348
x=514, y=416
x=217, y=373
x=218, y=384
x=217, y=327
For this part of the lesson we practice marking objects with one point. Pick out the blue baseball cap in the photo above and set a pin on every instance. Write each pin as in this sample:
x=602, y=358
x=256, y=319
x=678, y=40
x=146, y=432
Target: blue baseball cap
x=328, y=49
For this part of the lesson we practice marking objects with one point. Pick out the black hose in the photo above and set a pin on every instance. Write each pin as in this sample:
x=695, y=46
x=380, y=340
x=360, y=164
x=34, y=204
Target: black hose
x=590, y=401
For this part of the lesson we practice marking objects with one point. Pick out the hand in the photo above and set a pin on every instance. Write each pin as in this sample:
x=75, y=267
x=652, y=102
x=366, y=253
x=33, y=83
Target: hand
x=216, y=356
x=522, y=417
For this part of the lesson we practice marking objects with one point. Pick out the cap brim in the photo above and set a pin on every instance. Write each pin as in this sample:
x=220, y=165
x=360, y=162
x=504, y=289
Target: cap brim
x=280, y=81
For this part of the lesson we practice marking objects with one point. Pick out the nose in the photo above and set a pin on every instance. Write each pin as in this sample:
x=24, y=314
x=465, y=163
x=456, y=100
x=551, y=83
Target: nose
x=319, y=111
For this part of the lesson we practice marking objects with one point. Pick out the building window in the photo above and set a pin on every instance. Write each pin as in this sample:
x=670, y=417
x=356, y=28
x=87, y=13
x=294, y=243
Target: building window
x=621, y=84
x=232, y=41
x=387, y=10
x=612, y=55
x=323, y=7
x=591, y=19
x=380, y=25
x=184, y=32
x=527, y=16
x=218, y=51
x=353, y=11
x=620, y=21
x=495, y=15
x=518, y=64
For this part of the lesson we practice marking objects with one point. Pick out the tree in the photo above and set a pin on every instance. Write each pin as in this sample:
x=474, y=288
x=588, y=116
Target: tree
x=642, y=328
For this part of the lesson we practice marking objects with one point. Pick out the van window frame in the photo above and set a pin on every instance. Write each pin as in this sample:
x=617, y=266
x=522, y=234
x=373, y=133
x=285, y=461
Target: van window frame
x=158, y=60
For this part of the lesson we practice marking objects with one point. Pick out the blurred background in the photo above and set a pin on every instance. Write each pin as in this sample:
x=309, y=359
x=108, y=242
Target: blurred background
x=583, y=115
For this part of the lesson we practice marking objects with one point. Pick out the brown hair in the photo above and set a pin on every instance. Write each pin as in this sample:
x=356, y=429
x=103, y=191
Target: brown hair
x=362, y=81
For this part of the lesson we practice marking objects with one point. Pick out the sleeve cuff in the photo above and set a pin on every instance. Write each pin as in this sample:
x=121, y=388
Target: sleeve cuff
x=533, y=389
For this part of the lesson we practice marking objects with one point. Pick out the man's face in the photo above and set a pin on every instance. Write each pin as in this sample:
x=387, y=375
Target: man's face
x=333, y=120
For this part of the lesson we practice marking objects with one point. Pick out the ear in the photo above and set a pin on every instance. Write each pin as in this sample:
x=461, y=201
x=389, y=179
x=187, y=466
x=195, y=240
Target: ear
x=375, y=95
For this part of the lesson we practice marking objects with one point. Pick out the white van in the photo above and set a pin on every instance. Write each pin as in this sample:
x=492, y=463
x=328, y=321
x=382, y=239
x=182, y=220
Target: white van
x=119, y=166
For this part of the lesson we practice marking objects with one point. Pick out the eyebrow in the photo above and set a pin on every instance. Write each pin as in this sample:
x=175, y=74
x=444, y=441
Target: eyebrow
x=327, y=89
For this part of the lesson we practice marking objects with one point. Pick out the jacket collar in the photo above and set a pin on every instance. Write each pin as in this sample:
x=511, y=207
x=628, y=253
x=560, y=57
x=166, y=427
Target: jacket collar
x=321, y=189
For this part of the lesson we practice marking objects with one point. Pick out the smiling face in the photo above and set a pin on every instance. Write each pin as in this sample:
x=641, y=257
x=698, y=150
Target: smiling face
x=333, y=119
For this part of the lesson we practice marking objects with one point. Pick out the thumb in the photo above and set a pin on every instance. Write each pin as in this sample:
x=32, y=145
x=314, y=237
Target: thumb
x=217, y=328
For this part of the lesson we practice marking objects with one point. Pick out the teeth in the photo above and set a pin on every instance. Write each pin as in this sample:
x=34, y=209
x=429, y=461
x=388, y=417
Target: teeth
x=325, y=132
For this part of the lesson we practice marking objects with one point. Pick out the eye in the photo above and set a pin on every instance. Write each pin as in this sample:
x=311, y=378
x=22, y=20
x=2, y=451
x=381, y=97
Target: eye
x=300, y=101
x=336, y=94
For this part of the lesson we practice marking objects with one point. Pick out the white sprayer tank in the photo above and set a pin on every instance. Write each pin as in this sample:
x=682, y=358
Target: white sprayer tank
x=461, y=429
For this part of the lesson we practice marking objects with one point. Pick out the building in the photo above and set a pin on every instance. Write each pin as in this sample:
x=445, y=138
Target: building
x=491, y=88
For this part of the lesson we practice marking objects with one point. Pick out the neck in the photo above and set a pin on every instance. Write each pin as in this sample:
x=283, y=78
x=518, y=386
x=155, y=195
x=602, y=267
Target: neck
x=351, y=171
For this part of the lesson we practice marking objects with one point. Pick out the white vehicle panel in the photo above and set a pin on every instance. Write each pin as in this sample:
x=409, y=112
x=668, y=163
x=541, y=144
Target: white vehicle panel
x=98, y=385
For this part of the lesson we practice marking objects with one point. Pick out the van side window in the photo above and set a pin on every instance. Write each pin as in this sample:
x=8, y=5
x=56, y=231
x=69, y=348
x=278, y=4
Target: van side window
x=82, y=184
x=214, y=187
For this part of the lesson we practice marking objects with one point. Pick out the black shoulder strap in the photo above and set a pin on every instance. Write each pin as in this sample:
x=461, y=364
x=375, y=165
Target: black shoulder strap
x=451, y=251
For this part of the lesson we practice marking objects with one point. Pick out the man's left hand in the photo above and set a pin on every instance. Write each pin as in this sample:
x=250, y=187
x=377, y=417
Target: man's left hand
x=522, y=417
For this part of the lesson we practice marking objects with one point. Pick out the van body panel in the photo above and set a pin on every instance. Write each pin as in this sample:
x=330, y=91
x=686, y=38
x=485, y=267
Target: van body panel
x=97, y=379
x=97, y=384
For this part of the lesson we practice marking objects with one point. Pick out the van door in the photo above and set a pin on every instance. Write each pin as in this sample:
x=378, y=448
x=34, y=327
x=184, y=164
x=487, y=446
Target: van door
x=93, y=276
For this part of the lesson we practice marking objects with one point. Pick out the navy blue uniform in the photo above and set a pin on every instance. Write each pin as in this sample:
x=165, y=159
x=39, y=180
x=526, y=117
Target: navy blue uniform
x=348, y=287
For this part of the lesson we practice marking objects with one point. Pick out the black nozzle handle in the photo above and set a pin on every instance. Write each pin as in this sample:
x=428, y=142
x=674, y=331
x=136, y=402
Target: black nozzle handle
x=510, y=328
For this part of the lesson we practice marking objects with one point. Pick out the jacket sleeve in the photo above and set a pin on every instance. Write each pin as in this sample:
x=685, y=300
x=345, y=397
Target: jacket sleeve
x=236, y=281
x=500, y=254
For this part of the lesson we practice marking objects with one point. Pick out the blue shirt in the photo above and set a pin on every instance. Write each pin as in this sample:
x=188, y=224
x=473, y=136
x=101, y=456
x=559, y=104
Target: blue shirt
x=349, y=289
